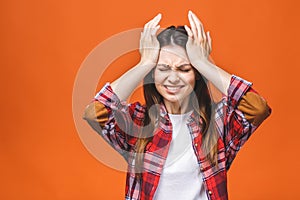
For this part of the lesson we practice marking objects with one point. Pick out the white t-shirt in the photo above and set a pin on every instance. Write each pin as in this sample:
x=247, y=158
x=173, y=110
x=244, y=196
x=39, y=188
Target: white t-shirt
x=180, y=178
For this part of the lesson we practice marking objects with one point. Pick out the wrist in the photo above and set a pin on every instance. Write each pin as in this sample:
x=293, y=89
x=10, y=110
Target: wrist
x=200, y=63
x=147, y=63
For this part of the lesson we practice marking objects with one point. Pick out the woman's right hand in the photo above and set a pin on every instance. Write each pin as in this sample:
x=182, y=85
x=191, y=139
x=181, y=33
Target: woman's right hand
x=149, y=45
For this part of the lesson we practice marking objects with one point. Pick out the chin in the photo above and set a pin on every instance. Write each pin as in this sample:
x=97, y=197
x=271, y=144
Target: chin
x=172, y=99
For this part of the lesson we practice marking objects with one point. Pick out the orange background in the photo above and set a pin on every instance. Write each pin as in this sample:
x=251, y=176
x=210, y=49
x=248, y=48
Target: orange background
x=43, y=44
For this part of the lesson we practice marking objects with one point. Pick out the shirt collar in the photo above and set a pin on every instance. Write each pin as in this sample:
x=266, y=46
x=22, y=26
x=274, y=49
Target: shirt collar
x=193, y=117
x=163, y=110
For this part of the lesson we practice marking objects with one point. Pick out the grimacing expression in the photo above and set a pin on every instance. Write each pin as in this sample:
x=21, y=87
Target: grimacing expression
x=174, y=76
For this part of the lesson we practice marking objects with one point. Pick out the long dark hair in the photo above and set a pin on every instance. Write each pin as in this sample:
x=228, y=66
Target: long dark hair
x=200, y=100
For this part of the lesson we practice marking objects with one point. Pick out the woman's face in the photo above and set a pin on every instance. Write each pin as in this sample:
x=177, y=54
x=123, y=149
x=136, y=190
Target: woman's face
x=174, y=77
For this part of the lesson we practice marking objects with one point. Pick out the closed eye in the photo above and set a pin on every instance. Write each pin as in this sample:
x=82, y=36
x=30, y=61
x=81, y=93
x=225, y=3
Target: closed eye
x=182, y=68
x=185, y=68
x=163, y=67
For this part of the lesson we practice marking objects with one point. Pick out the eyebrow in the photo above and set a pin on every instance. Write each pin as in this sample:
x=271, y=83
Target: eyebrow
x=168, y=66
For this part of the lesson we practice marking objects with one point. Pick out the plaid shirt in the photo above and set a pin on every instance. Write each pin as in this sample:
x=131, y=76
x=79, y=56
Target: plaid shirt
x=124, y=123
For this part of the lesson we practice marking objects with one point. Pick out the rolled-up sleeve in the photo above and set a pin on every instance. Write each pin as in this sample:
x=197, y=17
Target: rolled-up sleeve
x=96, y=112
x=254, y=107
x=117, y=122
x=244, y=110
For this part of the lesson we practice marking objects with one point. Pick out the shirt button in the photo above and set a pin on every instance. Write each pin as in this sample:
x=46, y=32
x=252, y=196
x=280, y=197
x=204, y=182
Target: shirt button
x=210, y=192
x=196, y=144
x=201, y=168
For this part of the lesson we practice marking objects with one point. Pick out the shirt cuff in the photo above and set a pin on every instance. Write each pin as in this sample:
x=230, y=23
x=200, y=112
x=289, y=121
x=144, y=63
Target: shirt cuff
x=107, y=97
x=237, y=88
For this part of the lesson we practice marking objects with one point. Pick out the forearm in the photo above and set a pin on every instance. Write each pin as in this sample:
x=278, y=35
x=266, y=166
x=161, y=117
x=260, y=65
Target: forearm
x=198, y=50
x=126, y=84
x=213, y=73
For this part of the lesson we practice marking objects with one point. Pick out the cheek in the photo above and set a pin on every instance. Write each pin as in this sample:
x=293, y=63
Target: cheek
x=158, y=77
x=192, y=82
x=190, y=79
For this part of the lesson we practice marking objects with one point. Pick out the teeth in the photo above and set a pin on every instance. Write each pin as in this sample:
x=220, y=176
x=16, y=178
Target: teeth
x=173, y=88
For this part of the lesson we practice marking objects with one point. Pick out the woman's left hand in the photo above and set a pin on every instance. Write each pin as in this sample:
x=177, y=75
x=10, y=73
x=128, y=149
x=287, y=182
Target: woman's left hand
x=198, y=46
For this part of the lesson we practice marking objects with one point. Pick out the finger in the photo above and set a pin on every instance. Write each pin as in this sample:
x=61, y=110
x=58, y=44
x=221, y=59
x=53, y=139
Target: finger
x=148, y=29
x=188, y=30
x=153, y=27
x=154, y=21
x=199, y=27
x=209, y=40
x=202, y=32
x=197, y=31
x=193, y=27
x=141, y=37
x=154, y=30
x=141, y=42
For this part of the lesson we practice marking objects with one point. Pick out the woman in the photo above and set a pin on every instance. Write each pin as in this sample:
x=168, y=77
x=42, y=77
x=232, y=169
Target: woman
x=181, y=144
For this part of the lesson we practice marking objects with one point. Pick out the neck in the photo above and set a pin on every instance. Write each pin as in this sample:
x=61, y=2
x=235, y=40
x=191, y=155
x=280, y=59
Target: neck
x=178, y=107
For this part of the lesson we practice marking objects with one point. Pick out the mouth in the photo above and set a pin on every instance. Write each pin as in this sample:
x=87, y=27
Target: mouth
x=173, y=89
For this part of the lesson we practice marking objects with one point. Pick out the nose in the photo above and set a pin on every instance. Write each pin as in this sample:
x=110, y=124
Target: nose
x=173, y=77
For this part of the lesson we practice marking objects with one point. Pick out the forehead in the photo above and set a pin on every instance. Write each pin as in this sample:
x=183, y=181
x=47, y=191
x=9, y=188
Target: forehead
x=173, y=53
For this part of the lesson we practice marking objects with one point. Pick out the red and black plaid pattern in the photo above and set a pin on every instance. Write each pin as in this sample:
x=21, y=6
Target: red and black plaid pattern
x=124, y=124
